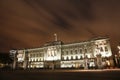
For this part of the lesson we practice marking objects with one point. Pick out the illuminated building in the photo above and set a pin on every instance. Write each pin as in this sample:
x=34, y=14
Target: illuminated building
x=56, y=54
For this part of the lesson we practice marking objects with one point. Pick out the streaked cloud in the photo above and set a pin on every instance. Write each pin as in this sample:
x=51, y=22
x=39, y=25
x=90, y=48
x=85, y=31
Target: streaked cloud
x=31, y=23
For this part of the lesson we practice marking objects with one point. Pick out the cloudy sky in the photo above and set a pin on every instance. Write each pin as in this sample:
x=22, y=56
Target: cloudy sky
x=31, y=23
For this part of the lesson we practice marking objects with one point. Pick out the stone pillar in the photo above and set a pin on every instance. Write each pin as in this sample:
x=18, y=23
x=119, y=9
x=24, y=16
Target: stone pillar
x=15, y=61
x=53, y=65
x=99, y=61
x=25, y=63
x=85, y=63
x=111, y=62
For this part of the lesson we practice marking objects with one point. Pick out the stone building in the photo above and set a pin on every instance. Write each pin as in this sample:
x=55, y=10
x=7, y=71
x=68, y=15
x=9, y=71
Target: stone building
x=53, y=55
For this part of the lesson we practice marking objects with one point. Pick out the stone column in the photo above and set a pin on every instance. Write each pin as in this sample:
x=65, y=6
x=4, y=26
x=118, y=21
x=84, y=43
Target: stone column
x=99, y=61
x=15, y=61
x=25, y=64
x=85, y=62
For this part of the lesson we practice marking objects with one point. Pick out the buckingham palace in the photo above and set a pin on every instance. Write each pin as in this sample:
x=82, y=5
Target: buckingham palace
x=93, y=53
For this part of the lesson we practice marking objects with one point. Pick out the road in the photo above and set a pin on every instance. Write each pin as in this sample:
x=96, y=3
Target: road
x=61, y=75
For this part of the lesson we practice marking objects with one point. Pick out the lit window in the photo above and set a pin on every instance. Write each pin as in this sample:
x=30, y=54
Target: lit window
x=41, y=59
x=31, y=59
x=65, y=58
x=69, y=57
x=36, y=59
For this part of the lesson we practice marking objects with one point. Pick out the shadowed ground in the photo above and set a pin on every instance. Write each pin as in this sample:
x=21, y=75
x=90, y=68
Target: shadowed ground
x=60, y=75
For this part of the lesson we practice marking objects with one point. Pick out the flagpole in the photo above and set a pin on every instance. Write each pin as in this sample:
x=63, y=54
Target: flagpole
x=55, y=35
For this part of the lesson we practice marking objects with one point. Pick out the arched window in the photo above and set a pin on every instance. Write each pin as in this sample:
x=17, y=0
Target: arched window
x=81, y=51
x=81, y=57
x=71, y=57
x=67, y=58
x=76, y=57
x=85, y=50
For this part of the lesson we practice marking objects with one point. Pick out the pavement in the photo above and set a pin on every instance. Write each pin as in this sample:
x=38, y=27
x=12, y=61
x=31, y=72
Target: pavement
x=62, y=70
x=98, y=74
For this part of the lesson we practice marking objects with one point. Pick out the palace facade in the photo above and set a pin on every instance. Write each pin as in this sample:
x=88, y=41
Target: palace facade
x=92, y=53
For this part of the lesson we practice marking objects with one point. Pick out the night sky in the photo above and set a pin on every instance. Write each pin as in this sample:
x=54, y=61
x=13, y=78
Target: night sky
x=31, y=23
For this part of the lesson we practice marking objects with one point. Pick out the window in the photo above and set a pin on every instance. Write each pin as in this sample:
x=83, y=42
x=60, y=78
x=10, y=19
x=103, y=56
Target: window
x=101, y=49
x=71, y=52
x=85, y=50
x=76, y=52
x=33, y=55
x=71, y=57
x=80, y=50
x=106, y=49
x=66, y=52
x=81, y=57
x=40, y=55
x=86, y=56
x=37, y=60
x=76, y=57
x=67, y=58
x=96, y=46
x=37, y=55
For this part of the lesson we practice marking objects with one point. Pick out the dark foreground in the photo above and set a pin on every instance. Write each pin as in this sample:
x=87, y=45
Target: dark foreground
x=60, y=75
